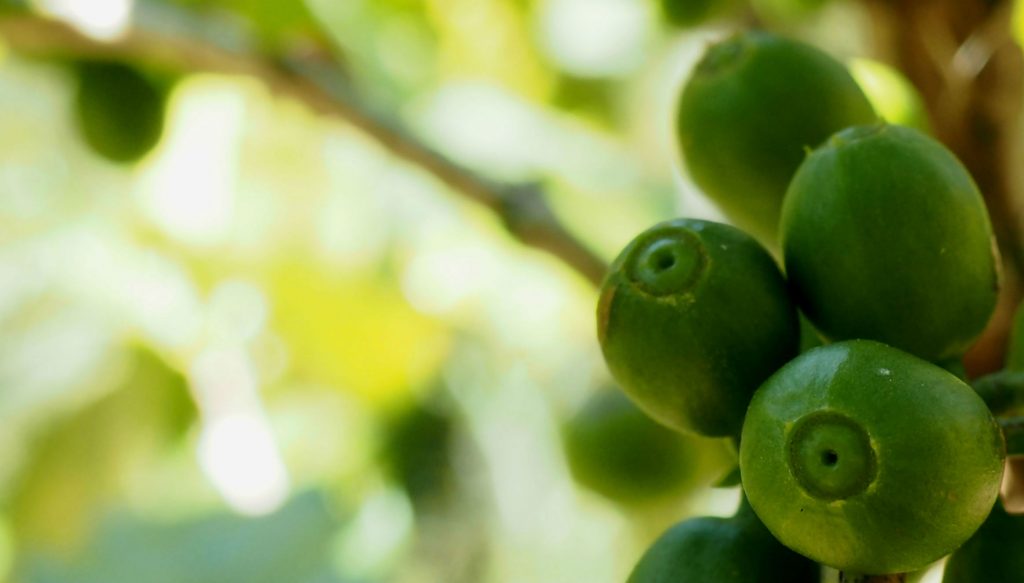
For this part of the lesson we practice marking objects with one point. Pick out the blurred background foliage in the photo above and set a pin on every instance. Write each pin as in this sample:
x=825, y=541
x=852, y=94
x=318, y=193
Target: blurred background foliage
x=242, y=341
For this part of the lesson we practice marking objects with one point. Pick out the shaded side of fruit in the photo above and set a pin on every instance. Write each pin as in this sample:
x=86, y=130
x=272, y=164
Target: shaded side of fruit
x=992, y=554
x=753, y=106
x=886, y=237
x=614, y=449
x=693, y=316
x=119, y=110
x=722, y=550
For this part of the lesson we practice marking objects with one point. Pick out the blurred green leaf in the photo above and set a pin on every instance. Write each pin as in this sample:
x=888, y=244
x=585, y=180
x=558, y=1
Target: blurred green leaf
x=273, y=20
x=292, y=545
x=358, y=334
x=892, y=95
x=594, y=97
x=1015, y=350
x=787, y=11
x=418, y=452
x=82, y=462
x=729, y=480
x=687, y=13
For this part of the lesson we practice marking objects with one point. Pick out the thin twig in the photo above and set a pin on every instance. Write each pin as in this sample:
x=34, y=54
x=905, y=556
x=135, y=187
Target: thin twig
x=522, y=207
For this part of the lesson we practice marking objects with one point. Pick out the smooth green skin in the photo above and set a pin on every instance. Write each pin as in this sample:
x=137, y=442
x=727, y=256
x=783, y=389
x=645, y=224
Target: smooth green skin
x=993, y=554
x=722, y=550
x=616, y=450
x=886, y=237
x=907, y=476
x=119, y=111
x=691, y=342
x=753, y=106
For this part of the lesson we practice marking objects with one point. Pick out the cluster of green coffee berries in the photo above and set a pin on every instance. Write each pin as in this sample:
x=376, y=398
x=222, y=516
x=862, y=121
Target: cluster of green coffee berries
x=119, y=109
x=864, y=453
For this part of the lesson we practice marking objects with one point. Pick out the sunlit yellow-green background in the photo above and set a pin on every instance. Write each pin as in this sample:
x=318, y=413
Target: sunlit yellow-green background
x=271, y=351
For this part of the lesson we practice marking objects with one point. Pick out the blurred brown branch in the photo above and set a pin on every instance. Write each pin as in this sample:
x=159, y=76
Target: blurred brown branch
x=962, y=57
x=522, y=207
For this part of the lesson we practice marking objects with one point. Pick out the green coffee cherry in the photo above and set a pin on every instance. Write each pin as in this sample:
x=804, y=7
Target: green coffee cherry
x=868, y=459
x=752, y=107
x=719, y=550
x=616, y=450
x=417, y=451
x=693, y=316
x=120, y=111
x=886, y=237
x=992, y=554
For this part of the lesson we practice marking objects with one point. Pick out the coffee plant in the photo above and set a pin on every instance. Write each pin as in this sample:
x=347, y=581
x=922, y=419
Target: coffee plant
x=864, y=454
x=325, y=341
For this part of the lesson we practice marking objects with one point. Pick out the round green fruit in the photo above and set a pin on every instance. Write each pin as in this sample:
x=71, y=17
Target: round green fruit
x=868, y=459
x=992, y=554
x=886, y=237
x=752, y=107
x=120, y=111
x=722, y=550
x=693, y=316
x=614, y=449
x=417, y=451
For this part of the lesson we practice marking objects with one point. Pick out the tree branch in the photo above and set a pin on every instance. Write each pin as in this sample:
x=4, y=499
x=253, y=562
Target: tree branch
x=522, y=207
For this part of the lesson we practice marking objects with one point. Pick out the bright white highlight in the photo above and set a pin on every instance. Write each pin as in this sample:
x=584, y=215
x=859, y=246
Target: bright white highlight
x=596, y=37
x=190, y=193
x=99, y=19
x=239, y=456
x=237, y=450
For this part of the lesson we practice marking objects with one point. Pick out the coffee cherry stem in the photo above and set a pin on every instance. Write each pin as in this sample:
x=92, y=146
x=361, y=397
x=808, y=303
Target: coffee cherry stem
x=1002, y=391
